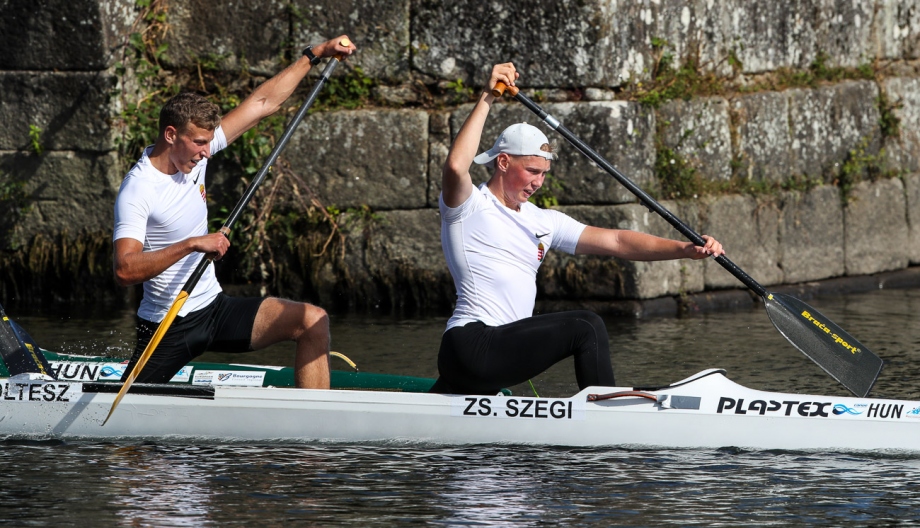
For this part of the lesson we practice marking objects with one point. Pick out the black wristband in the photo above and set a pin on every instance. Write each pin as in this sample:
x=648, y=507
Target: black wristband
x=308, y=53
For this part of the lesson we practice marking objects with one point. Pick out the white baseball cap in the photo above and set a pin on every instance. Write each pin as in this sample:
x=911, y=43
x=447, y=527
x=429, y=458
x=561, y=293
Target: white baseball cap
x=519, y=139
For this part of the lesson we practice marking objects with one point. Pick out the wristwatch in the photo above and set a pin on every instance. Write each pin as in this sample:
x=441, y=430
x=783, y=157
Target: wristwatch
x=308, y=52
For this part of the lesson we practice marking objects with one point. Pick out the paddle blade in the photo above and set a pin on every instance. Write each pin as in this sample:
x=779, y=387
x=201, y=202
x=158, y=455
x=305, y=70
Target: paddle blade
x=832, y=348
x=19, y=352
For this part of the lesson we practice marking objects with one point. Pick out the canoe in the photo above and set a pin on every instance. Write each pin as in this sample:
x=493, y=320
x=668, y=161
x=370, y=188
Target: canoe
x=235, y=403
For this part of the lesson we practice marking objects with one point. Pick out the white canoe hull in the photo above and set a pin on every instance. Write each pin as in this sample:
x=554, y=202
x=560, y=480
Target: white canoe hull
x=704, y=411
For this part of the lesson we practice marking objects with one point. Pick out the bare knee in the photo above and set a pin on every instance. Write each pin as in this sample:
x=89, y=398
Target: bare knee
x=283, y=320
x=315, y=321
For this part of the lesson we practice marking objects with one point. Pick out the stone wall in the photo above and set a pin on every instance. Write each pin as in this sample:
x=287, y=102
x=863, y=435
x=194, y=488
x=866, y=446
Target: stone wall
x=61, y=74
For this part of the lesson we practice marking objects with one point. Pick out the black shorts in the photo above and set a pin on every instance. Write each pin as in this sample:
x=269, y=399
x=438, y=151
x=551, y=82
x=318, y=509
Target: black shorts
x=480, y=359
x=225, y=325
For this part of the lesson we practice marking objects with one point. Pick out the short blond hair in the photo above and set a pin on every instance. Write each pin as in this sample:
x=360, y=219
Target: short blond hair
x=189, y=107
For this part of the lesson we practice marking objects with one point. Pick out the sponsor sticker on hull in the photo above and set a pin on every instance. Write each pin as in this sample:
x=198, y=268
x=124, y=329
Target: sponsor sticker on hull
x=96, y=371
x=236, y=378
x=810, y=409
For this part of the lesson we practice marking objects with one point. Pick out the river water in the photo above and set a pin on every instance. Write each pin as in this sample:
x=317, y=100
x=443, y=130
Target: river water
x=164, y=484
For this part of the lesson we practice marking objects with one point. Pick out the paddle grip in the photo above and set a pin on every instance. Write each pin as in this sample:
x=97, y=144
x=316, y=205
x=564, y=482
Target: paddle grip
x=501, y=87
x=341, y=56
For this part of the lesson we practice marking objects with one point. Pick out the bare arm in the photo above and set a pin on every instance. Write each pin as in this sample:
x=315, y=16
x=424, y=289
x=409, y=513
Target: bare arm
x=133, y=265
x=270, y=95
x=456, y=183
x=633, y=245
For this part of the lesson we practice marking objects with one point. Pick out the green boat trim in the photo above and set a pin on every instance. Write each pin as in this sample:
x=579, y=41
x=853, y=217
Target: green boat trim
x=89, y=368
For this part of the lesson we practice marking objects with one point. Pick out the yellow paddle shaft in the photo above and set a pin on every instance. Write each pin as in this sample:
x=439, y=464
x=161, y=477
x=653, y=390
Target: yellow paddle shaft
x=148, y=351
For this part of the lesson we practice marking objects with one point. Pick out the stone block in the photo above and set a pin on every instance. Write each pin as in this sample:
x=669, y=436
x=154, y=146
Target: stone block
x=609, y=41
x=876, y=234
x=843, y=31
x=827, y=122
x=64, y=35
x=598, y=94
x=896, y=27
x=903, y=151
x=68, y=192
x=912, y=191
x=596, y=277
x=380, y=29
x=257, y=32
x=623, y=133
x=762, y=36
x=395, y=96
x=396, y=262
x=764, y=147
x=768, y=35
x=748, y=229
x=438, y=148
x=698, y=130
x=698, y=29
x=377, y=158
x=72, y=109
x=229, y=35
x=810, y=235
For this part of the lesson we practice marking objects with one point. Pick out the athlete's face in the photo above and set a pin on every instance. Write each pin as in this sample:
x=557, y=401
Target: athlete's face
x=522, y=176
x=189, y=146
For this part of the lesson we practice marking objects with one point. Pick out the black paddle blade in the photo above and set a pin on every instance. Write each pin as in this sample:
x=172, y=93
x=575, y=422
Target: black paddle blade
x=18, y=350
x=831, y=347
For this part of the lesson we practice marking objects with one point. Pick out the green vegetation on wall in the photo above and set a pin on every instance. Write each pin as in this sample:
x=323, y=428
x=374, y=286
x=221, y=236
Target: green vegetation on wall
x=15, y=203
x=689, y=78
x=672, y=80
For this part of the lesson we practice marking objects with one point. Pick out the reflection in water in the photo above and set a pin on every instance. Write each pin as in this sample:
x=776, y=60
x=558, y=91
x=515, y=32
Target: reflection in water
x=151, y=489
x=386, y=485
x=488, y=490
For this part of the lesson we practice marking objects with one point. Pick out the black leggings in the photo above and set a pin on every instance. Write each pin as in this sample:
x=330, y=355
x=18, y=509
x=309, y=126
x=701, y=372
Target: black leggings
x=480, y=359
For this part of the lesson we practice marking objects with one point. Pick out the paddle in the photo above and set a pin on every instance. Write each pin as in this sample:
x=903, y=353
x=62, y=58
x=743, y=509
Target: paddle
x=19, y=352
x=816, y=336
x=225, y=229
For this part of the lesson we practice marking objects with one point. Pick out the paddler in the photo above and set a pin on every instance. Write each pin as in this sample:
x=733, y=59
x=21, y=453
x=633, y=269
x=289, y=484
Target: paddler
x=161, y=230
x=494, y=241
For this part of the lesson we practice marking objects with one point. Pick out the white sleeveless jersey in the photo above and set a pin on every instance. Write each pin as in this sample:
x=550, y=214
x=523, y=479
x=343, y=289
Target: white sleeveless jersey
x=159, y=210
x=494, y=252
